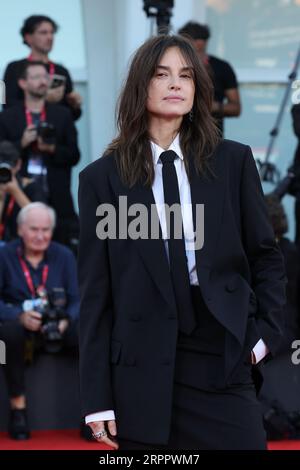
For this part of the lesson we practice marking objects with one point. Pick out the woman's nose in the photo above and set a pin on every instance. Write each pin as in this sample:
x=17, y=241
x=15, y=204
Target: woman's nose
x=174, y=85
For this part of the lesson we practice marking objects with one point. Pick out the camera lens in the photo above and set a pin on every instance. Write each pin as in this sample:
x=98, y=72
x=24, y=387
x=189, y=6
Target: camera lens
x=47, y=132
x=5, y=173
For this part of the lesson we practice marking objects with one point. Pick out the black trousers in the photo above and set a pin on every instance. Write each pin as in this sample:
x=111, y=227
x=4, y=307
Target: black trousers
x=14, y=335
x=207, y=413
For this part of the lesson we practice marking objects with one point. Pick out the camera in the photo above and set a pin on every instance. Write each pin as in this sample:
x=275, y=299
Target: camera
x=162, y=10
x=52, y=308
x=57, y=81
x=9, y=156
x=46, y=132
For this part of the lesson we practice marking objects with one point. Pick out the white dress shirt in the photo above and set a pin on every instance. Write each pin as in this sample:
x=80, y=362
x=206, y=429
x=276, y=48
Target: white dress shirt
x=260, y=350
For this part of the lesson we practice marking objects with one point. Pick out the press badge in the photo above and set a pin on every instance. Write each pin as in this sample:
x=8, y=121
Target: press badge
x=35, y=166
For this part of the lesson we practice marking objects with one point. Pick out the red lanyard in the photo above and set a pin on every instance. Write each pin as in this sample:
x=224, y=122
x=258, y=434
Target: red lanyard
x=51, y=65
x=7, y=214
x=29, y=116
x=28, y=276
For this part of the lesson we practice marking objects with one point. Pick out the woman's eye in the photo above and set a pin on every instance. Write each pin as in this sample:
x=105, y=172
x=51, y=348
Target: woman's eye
x=185, y=75
x=161, y=74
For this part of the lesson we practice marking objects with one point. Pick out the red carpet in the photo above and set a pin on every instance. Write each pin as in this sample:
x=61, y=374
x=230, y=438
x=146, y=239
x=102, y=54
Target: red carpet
x=71, y=440
x=284, y=445
x=51, y=440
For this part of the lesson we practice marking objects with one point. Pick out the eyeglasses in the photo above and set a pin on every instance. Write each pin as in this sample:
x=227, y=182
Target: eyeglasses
x=39, y=77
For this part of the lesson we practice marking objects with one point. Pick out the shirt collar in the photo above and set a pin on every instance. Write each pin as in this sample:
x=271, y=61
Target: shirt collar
x=157, y=150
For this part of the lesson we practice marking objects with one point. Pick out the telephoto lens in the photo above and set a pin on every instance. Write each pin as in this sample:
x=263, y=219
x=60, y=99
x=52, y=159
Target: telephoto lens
x=5, y=173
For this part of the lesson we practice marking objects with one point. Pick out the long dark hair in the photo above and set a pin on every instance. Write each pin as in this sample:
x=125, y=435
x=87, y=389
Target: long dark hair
x=198, y=137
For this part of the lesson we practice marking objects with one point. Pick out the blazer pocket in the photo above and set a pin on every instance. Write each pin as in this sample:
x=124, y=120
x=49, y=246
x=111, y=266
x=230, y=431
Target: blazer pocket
x=115, y=352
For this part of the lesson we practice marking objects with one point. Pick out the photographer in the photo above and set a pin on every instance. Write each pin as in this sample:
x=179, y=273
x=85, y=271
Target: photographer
x=38, y=34
x=15, y=192
x=32, y=270
x=47, y=138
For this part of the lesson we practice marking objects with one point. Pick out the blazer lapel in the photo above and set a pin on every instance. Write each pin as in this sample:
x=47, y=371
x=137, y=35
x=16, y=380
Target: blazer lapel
x=209, y=191
x=152, y=249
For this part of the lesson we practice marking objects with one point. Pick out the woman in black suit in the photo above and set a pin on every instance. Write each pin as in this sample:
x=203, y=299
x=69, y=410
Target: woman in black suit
x=172, y=320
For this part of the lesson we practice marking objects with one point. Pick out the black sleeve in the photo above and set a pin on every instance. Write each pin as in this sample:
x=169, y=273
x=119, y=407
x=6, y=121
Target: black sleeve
x=96, y=309
x=69, y=83
x=8, y=311
x=67, y=151
x=76, y=113
x=229, y=77
x=13, y=92
x=264, y=257
x=296, y=119
x=5, y=133
x=35, y=192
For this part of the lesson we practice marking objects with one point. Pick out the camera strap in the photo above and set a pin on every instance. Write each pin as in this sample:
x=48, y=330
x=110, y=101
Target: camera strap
x=51, y=65
x=28, y=277
x=6, y=215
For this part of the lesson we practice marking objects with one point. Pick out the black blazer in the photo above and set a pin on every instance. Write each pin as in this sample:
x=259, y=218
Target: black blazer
x=128, y=324
x=12, y=126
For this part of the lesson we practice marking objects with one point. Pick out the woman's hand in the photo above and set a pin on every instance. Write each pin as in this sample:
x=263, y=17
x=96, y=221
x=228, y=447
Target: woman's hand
x=109, y=429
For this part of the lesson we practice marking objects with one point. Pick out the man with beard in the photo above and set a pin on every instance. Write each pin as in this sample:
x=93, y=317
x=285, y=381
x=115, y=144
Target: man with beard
x=47, y=138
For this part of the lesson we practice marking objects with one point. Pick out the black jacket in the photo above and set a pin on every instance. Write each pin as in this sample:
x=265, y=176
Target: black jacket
x=128, y=320
x=12, y=126
x=296, y=125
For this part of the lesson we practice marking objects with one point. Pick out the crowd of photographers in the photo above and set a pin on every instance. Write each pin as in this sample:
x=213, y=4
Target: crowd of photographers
x=39, y=302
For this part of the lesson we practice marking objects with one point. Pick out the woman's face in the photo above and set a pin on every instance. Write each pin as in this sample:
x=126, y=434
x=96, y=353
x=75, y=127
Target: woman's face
x=171, y=90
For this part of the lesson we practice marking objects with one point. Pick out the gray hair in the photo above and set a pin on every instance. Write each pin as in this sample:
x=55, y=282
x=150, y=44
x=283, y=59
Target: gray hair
x=22, y=215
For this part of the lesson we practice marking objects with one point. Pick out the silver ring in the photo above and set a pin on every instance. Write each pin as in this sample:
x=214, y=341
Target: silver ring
x=99, y=434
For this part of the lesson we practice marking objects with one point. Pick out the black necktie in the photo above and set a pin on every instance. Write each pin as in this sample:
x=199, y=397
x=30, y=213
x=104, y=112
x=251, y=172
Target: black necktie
x=177, y=254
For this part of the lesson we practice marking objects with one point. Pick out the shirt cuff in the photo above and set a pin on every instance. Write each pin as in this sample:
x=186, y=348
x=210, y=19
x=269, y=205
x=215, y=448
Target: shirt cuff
x=260, y=351
x=107, y=415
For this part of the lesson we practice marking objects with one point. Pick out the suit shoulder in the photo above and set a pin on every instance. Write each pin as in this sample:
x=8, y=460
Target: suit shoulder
x=101, y=167
x=233, y=154
x=58, y=110
x=221, y=63
x=59, y=250
x=16, y=64
x=61, y=69
x=233, y=148
x=12, y=111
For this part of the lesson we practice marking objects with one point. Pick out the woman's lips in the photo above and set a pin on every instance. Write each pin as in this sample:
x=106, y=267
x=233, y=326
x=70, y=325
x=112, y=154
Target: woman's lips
x=173, y=98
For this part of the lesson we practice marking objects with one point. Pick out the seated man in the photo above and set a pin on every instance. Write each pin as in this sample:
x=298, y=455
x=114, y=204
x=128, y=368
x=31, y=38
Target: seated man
x=15, y=191
x=36, y=276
